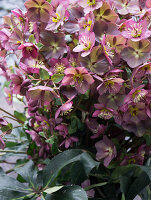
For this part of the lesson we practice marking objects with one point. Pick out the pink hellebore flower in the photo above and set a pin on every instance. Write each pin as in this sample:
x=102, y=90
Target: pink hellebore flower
x=103, y=112
x=29, y=50
x=125, y=7
x=65, y=108
x=112, y=85
x=135, y=30
x=136, y=95
x=87, y=22
x=86, y=42
x=79, y=77
x=90, y=5
x=57, y=18
x=105, y=149
x=63, y=131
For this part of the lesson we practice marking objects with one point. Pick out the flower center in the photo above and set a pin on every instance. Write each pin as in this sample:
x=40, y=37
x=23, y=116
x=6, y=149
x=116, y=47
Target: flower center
x=57, y=18
x=132, y=161
x=105, y=114
x=29, y=49
x=78, y=78
x=133, y=111
x=91, y=2
x=85, y=41
x=59, y=68
x=138, y=95
x=135, y=30
x=88, y=25
x=87, y=46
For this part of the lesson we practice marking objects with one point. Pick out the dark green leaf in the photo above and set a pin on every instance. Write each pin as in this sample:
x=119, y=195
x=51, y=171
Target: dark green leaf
x=63, y=159
x=69, y=193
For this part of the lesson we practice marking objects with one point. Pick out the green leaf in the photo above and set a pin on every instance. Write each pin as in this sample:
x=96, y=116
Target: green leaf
x=31, y=38
x=63, y=159
x=53, y=189
x=11, y=188
x=44, y=75
x=69, y=193
x=28, y=172
x=137, y=186
x=20, y=116
x=56, y=78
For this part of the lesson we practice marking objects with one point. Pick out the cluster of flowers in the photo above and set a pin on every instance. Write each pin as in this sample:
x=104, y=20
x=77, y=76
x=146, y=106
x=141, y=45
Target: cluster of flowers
x=86, y=60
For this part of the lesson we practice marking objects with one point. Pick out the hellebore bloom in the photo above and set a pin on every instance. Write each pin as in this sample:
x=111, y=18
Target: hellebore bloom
x=63, y=131
x=38, y=10
x=29, y=50
x=136, y=95
x=16, y=82
x=125, y=7
x=135, y=113
x=141, y=71
x=112, y=85
x=79, y=77
x=9, y=97
x=135, y=30
x=90, y=5
x=59, y=65
x=103, y=112
x=86, y=43
x=105, y=149
x=87, y=22
x=42, y=93
x=57, y=18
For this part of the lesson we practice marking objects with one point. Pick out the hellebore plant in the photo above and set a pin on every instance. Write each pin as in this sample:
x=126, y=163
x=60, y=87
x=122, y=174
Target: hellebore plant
x=83, y=75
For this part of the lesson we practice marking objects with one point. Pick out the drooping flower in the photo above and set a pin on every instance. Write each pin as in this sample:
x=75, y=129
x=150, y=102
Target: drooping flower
x=43, y=94
x=79, y=77
x=86, y=43
x=135, y=30
x=105, y=149
x=9, y=95
x=90, y=5
x=103, y=112
x=2, y=143
x=112, y=85
x=29, y=50
x=141, y=71
x=134, y=113
x=68, y=140
x=136, y=95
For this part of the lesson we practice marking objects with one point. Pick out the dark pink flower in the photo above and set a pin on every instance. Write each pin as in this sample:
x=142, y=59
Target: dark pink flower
x=29, y=50
x=86, y=43
x=59, y=65
x=105, y=149
x=2, y=143
x=79, y=77
x=43, y=94
x=136, y=95
x=112, y=85
x=103, y=112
